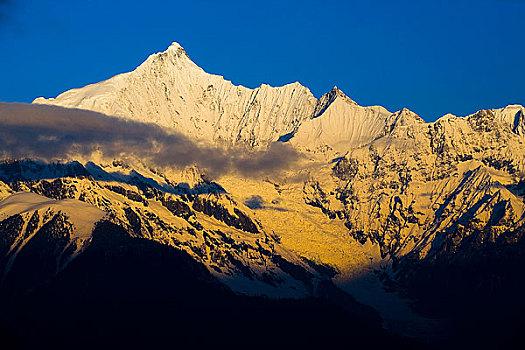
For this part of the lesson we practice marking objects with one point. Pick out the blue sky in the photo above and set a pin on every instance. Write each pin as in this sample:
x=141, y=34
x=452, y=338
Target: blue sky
x=433, y=57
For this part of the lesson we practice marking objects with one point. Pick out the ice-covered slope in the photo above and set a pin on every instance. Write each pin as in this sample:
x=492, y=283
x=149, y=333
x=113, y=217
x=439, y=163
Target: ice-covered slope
x=169, y=89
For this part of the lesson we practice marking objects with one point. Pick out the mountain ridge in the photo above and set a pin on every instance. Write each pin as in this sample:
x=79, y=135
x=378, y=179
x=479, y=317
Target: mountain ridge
x=207, y=106
x=255, y=116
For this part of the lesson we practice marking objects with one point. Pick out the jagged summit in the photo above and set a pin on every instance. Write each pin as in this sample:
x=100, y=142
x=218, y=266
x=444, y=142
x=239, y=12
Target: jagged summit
x=176, y=48
x=336, y=92
x=173, y=57
x=329, y=98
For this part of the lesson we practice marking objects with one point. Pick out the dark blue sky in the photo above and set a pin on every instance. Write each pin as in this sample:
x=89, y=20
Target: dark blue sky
x=433, y=57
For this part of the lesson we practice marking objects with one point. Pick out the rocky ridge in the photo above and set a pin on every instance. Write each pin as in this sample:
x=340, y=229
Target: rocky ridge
x=203, y=221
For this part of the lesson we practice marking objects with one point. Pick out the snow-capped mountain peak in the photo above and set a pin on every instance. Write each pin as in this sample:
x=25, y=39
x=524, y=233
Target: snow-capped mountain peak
x=169, y=89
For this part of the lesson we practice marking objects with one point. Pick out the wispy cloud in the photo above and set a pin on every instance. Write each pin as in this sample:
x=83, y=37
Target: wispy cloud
x=55, y=133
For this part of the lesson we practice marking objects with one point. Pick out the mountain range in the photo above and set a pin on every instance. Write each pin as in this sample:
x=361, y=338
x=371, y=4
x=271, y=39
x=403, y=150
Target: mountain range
x=259, y=199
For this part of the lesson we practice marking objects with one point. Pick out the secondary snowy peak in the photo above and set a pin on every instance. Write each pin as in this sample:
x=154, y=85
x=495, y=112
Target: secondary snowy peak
x=327, y=99
x=169, y=89
x=340, y=125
